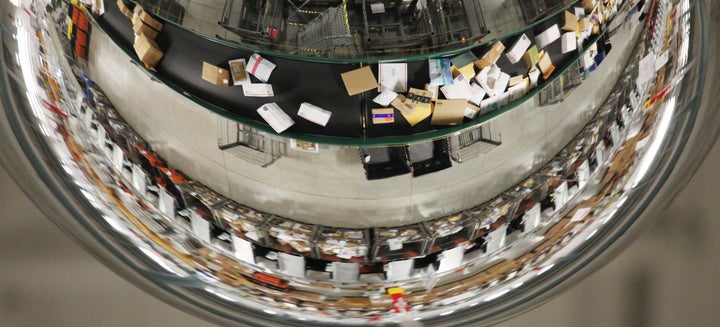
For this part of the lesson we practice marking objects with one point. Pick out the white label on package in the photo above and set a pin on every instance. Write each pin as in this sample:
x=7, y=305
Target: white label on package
x=238, y=71
x=314, y=114
x=392, y=76
x=275, y=117
x=258, y=90
x=459, y=89
x=260, y=67
x=547, y=37
x=385, y=97
x=518, y=49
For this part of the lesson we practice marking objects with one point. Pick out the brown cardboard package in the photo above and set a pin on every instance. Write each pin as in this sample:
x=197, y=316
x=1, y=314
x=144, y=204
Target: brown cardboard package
x=142, y=15
x=531, y=57
x=449, y=112
x=589, y=5
x=147, y=19
x=545, y=64
x=139, y=27
x=491, y=56
x=359, y=80
x=124, y=9
x=215, y=74
x=570, y=22
x=383, y=115
x=147, y=50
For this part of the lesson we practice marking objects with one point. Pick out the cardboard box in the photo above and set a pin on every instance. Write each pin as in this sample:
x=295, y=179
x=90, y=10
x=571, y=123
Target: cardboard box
x=548, y=36
x=568, y=43
x=459, y=89
x=124, y=9
x=147, y=50
x=139, y=27
x=531, y=57
x=570, y=22
x=482, y=78
x=215, y=74
x=490, y=57
x=501, y=83
x=588, y=5
x=585, y=25
x=534, y=76
x=472, y=111
x=402, y=104
x=518, y=49
x=419, y=95
x=515, y=80
x=359, y=80
x=149, y=20
x=238, y=73
x=383, y=115
x=314, y=113
x=449, y=112
x=275, y=117
x=545, y=62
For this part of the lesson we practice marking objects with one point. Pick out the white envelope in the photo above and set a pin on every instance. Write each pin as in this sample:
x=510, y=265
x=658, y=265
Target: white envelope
x=258, y=90
x=459, y=89
x=392, y=76
x=275, y=117
x=314, y=113
x=385, y=97
x=259, y=67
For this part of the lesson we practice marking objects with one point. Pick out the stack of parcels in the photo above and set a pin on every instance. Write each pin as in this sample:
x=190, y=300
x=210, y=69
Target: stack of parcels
x=491, y=212
x=342, y=243
x=396, y=237
x=296, y=235
x=146, y=28
x=446, y=226
x=500, y=87
x=246, y=221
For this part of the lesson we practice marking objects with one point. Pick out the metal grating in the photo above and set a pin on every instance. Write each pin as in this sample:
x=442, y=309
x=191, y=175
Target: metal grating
x=248, y=143
x=472, y=143
x=327, y=31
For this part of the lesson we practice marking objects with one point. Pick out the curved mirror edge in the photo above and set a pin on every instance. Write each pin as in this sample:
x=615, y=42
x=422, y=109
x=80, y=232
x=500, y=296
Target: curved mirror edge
x=549, y=271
